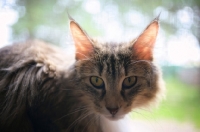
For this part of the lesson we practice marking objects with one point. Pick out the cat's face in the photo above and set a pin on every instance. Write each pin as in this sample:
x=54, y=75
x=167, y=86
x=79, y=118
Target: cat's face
x=115, y=78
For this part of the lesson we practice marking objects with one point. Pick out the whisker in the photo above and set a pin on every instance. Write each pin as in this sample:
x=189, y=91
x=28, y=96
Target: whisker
x=79, y=119
x=89, y=122
x=76, y=110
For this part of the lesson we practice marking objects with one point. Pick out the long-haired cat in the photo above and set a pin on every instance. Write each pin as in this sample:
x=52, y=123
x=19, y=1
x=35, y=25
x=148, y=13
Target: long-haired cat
x=44, y=90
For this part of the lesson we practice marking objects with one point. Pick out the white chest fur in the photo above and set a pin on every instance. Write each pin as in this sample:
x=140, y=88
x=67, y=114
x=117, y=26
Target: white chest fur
x=122, y=125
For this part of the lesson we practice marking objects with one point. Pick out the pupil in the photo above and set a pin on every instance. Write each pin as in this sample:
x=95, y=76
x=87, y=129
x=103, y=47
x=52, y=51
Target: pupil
x=96, y=79
x=129, y=79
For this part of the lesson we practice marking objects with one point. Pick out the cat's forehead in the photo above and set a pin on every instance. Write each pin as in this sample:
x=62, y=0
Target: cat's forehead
x=111, y=59
x=112, y=48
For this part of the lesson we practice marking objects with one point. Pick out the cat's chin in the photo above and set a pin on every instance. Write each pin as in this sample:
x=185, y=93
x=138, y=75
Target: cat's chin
x=114, y=118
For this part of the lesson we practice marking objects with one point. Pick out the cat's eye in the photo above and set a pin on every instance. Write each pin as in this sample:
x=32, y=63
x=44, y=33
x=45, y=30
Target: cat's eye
x=129, y=82
x=97, y=82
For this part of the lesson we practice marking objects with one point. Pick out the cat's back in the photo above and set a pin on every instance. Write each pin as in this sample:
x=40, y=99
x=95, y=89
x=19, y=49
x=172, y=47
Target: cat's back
x=34, y=51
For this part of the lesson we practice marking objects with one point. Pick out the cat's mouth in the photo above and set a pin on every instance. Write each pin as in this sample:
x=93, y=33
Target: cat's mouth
x=112, y=114
x=114, y=117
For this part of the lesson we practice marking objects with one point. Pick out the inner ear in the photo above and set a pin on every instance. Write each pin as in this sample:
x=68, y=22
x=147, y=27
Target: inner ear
x=144, y=44
x=83, y=44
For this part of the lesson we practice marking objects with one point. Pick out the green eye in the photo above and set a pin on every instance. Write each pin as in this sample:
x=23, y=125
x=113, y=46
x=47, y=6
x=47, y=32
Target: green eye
x=97, y=82
x=129, y=82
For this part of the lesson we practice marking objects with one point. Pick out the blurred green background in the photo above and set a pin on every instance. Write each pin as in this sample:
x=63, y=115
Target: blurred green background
x=177, y=50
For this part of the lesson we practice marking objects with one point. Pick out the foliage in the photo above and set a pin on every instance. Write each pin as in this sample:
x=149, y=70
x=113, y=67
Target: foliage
x=51, y=16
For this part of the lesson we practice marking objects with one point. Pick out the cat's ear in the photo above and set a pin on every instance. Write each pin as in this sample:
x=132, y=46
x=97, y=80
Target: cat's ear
x=83, y=44
x=144, y=44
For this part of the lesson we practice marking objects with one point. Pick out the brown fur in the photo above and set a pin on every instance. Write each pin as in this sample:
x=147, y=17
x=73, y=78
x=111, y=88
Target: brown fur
x=43, y=89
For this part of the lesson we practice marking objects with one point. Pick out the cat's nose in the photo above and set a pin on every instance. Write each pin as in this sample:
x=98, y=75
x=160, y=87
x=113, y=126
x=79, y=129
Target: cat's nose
x=113, y=111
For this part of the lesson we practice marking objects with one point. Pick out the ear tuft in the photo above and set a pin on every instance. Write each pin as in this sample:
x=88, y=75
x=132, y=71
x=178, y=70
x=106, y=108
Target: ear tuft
x=83, y=44
x=144, y=44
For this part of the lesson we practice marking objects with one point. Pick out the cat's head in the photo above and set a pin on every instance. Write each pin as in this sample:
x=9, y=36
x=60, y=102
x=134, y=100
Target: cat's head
x=117, y=77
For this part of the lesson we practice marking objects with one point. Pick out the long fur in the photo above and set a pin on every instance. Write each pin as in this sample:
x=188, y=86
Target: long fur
x=44, y=89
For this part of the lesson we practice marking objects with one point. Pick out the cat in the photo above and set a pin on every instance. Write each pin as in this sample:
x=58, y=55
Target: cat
x=42, y=89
